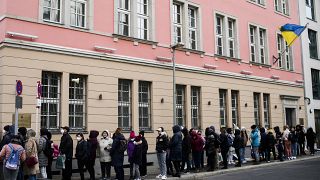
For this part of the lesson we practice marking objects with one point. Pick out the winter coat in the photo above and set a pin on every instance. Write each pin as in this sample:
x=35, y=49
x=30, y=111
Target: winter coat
x=176, y=144
x=210, y=142
x=43, y=159
x=144, y=145
x=93, y=145
x=162, y=142
x=137, y=153
x=294, y=137
x=117, y=156
x=66, y=145
x=130, y=150
x=263, y=141
x=255, y=138
x=270, y=141
x=196, y=143
x=224, y=146
x=311, y=138
x=104, y=149
x=186, y=144
x=82, y=151
x=6, y=139
x=31, y=149
x=301, y=137
x=238, y=141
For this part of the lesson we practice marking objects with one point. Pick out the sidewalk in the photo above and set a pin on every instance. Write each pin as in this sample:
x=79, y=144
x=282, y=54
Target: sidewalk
x=153, y=171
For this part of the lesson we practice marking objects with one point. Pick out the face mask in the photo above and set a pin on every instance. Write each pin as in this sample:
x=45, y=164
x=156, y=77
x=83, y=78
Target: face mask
x=62, y=131
x=79, y=138
x=4, y=131
x=105, y=136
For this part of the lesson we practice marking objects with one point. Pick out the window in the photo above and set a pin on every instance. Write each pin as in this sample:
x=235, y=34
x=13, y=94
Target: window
x=78, y=13
x=226, y=36
x=223, y=107
x=124, y=17
x=315, y=83
x=256, y=108
x=266, y=110
x=235, y=107
x=195, y=107
x=144, y=105
x=260, y=2
x=177, y=23
x=52, y=10
x=258, y=44
x=124, y=104
x=50, y=100
x=313, y=44
x=284, y=53
x=143, y=23
x=310, y=9
x=282, y=6
x=77, y=102
x=180, y=105
x=192, y=16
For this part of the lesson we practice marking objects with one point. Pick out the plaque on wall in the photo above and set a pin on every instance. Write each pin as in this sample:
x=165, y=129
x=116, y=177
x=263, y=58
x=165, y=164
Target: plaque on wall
x=24, y=120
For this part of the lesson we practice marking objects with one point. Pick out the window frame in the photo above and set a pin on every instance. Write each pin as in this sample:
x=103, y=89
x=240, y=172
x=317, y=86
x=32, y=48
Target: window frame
x=256, y=108
x=282, y=7
x=286, y=56
x=313, y=44
x=315, y=80
x=258, y=45
x=223, y=107
x=144, y=17
x=60, y=11
x=259, y=2
x=141, y=104
x=196, y=119
x=266, y=111
x=235, y=107
x=180, y=106
x=122, y=104
x=77, y=14
x=310, y=5
x=193, y=28
x=176, y=24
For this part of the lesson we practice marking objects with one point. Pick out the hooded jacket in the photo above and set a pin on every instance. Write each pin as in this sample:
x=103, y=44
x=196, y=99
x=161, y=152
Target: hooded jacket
x=186, y=142
x=162, y=142
x=255, y=138
x=105, y=145
x=176, y=144
x=93, y=144
x=238, y=141
x=197, y=142
x=117, y=156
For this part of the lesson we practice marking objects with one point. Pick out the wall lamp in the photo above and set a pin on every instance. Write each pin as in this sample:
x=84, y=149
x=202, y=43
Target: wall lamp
x=275, y=106
x=209, y=103
x=100, y=96
x=246, y=105
x=162, y=100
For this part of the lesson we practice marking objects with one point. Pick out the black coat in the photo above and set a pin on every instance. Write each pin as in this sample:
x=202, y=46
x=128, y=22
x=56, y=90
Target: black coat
x=210, y=143
x=66, y=145
x=82, y=151
x=238, y=142
x=263, y=141
x=176, y=144
x=117, y=156
x=162, y=142
x=137, y=154
x=186, y=145
x=144, y=145
x=271, y=140
x=6, y=139
x=224, y=142
x=311, y=138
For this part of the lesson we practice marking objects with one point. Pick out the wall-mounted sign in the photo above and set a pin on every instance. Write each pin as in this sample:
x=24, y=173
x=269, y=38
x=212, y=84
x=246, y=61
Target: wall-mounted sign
x=24, y=120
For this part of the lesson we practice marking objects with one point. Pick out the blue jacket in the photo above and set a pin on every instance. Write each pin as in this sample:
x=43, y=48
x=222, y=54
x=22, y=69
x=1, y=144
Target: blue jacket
x=117, y=157
x=176, y=144
x=255, y=139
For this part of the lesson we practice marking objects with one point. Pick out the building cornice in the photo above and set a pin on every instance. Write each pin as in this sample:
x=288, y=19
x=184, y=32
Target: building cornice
x=134, y=60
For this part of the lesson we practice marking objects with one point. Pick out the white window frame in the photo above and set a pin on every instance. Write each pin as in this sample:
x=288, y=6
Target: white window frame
x=49, y=100
x=282, y=6
x=235, y=107
x=259, y=2
x=74, y=101
x=195, y=107
x=143, y=17
x=124, y=104
x=258, y=41
x=177, y=22
x=122, y=11
x=180, y=94
x=286, y=59
x=223, y=107
x=256, y=108
x=77, y=2
x=219, y=29
x=143, y=104
x=193, y=28
x=310, y=6
x=266, y=110
x=51, y=13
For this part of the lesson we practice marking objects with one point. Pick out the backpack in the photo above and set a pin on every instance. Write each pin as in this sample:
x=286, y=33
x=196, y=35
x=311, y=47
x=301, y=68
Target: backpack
x=230, y=140
x=13, y=160
x=123, y=144
x=48, y=151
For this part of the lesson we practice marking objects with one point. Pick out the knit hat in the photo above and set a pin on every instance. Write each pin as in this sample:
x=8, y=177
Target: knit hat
x=141, y=133
x=132, y=135
x=160, y=129
x=138, y=138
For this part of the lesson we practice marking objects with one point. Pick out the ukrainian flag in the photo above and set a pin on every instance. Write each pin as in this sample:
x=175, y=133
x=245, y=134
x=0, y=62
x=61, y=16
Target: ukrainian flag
x=291, y=32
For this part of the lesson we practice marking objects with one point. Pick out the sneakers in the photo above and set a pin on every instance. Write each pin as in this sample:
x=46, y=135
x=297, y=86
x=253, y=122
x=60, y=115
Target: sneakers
x=244, y=161
x=164, y=177
x=159, y=176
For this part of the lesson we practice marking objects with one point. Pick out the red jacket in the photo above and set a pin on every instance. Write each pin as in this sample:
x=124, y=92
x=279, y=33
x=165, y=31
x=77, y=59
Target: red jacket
x=197, y=143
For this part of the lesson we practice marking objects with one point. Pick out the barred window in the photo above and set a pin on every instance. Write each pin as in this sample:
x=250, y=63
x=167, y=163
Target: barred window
x=195, y=107
x=266, y=110
x=50, y=100
x=77, y=101
x=144, y=105
x=223, y=107
x=256, y=108
x=52, y=10
x=235, y=107
x=124, y=104
x=180, y=105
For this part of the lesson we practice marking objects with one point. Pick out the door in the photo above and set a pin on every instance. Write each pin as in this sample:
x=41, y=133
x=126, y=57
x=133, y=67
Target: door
x=290, y=117
x=317, y=125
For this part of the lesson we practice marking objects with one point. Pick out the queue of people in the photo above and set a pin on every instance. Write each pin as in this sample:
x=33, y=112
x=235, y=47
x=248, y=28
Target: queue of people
x=26, y=157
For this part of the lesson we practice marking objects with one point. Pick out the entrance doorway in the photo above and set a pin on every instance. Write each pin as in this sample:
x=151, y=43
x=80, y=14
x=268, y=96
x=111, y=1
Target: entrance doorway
x=291, y=117
x=317, y=125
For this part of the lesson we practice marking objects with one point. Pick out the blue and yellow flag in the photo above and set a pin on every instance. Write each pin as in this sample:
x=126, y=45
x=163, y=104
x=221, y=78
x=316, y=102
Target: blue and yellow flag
x=291, y=32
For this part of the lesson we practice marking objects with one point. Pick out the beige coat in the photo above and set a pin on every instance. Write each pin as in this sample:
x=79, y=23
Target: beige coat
x=31, y=150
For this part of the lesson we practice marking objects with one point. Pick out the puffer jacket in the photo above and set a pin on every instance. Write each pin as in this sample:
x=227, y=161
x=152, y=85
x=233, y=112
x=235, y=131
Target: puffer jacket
x=197, y=142
x=43, y=159
x=255, y=138
x=130, y=150
x=176, y=144
x=162, y=142
x=82, y=151
x=105, y=145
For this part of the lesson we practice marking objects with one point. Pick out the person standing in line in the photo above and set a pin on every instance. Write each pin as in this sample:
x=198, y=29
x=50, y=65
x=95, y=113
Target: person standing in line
x=6, y=139
x=13, y=147
x=176, y=149
x=22, y=132
x=137, y=157
x=311, y=139
x=143, y=167
x=199, y=132
x=245, y=137
x=82, y=154
x=186, y=150
x=49, y=154
x=210, y=149
x=119, y=146
x=231, y=148
x=130, y=151
x=197, y=144
x=66, y=148
x=294, y=142
x=105, y=145
x=93, y=145
x=255, y=142
x=263, y=144
x=43, y=159
x=31, y=149
x=287, y=143
x=270, y=145
x=224, y=147
x=301, y=139
x=162, y=143
x=279, y=143
x=238, y=143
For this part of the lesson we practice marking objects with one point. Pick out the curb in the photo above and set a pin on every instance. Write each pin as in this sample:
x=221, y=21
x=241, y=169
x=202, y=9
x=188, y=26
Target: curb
x=225, y=171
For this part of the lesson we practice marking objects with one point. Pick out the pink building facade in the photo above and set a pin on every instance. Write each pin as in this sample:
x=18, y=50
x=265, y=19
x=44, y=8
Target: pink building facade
x=108, y=63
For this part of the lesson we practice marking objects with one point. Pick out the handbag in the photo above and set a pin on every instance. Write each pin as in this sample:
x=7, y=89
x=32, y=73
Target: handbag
x=60, y=162
x=31, y=161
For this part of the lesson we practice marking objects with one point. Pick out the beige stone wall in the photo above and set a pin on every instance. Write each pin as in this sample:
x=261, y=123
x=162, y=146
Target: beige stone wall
x=103, y=75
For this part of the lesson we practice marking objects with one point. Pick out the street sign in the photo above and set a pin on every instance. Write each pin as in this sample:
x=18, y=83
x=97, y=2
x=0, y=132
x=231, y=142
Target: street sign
x=18, y=102
x=39, y=89
x=19, y=87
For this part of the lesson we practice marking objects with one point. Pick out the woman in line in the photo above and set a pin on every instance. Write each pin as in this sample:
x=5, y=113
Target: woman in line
x=105, y=145
x=31, y=152
x=82, y=154
x=43, y=159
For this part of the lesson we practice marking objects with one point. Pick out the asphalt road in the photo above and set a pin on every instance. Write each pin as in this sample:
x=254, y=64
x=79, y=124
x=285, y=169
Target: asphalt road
x=300, y=170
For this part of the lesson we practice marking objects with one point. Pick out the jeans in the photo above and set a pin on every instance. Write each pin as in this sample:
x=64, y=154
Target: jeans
x=20, y=173
x=280, y=151
x=256, y=153
x=202, y=159
x=131, y=170
x=10, y=174
x=197, y=159
x=162, y=163
x=136, y=171
x=242, y=154
x=119, y=172
x=224, y=154
x=230, y=154
x=32, y=177
x=294, y=147
x=105, y=168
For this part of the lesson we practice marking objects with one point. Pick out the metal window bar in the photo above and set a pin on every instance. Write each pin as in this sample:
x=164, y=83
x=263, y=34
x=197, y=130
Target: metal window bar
x=124, y=104
x=144, y=105
x=77, y=103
